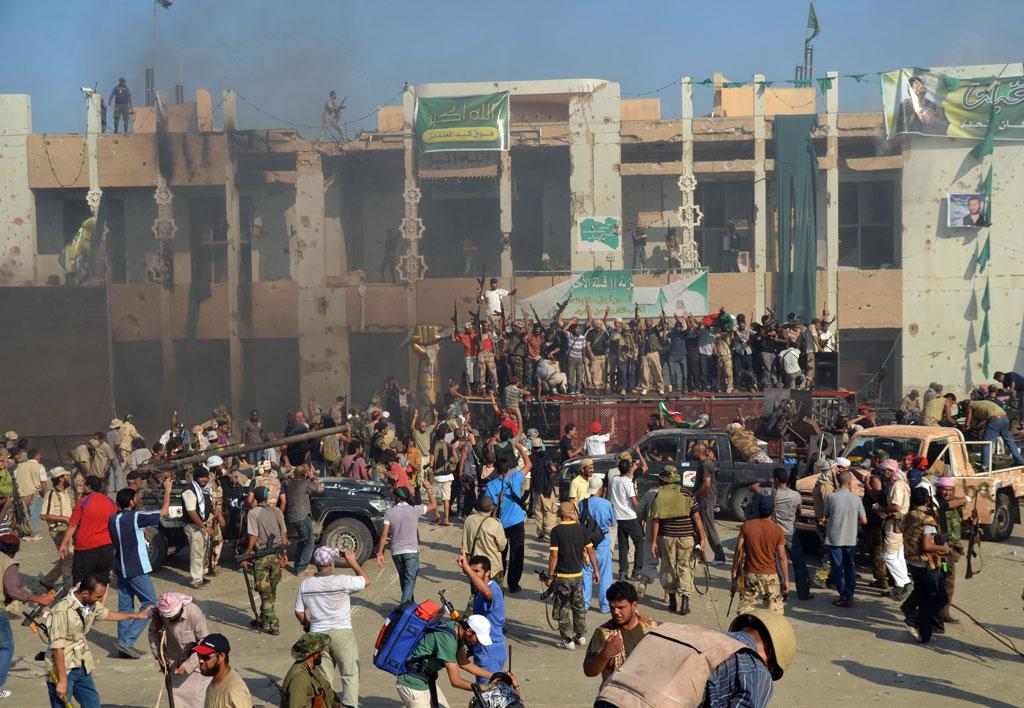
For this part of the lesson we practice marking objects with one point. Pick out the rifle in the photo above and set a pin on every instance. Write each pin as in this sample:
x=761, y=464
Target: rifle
x=24, y=525
x=973, y=545
x=562, y=305
x=481, y=279
x=455, y=316
x=536, y=317
x=502, y=316
x=30, y=618
x=739, y=583
x=168, y=681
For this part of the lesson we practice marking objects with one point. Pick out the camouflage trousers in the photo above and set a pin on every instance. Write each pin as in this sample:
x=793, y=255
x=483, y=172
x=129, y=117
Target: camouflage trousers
x=568, y=607
x=762, y=590
x=266, y=576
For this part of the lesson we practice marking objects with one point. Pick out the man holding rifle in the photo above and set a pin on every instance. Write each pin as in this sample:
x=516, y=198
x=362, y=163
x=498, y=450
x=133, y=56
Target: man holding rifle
x=10, y=574
x=265, y=526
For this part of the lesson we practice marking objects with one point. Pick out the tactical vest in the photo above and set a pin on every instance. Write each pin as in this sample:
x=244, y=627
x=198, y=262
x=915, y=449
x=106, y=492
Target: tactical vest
x=913, y=536
x=669, y=668
x=745, y=443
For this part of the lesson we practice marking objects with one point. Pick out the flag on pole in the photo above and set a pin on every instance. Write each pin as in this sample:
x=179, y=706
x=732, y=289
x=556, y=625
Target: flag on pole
x=985, y=254
x=165, y=4
x=812, y=23
x=986, y=301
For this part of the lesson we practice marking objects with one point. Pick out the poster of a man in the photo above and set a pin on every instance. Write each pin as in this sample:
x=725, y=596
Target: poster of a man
x=966, y=210
x=918, y=113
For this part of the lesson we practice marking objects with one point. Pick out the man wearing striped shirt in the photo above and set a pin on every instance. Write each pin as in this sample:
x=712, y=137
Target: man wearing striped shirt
x=131, y=561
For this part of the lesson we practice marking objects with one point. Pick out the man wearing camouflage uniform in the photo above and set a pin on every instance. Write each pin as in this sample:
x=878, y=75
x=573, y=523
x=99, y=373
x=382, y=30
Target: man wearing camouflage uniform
x=569, y=550
x=266, y=528
x=121, y=97
x=306, y=684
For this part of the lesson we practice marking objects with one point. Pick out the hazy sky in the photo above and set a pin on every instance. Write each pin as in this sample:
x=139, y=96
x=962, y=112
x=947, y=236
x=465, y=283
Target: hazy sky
x=284, y=55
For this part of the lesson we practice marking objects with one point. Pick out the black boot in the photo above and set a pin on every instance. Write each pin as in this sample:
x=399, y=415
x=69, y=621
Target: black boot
x=672, y=602
x=684, y=606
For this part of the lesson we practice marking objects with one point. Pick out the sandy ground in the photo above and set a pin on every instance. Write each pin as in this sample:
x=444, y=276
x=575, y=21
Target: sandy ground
x=848, y=657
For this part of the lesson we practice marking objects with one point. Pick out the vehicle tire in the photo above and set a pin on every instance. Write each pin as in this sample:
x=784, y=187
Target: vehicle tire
x=157, y=550
x=1002, y=525
x=349, y=535
x=743, y=499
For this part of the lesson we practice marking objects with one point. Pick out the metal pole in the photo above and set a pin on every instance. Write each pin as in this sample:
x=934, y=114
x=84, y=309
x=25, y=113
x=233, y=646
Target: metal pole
x=153, y=59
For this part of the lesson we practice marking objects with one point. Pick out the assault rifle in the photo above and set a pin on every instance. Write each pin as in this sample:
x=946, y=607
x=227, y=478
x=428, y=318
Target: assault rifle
x=455, y=316
x=973, y=546
x=536, y=317
x=481, y=279
x=560, y=306
x=739, y=582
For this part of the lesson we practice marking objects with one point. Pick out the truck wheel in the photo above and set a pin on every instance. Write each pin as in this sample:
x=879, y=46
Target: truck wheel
x=349, y=535
x=157, y=550
x=1002, y=525
x=742, y=500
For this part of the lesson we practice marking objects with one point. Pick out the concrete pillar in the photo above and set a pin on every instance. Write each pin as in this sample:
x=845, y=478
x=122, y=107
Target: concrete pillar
x=412, y=225
x=17, y=204
x=689, y=212
x=760, y=199
x=595, y=184
x=93, y=127
x=336, y=294
x=505, y=265
x=832, y=193
x=323, y=339
x=232, y=211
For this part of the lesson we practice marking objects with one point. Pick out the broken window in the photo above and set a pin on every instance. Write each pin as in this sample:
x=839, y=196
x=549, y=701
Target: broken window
x=208, y=228
x=867, y=224
x=724, y=249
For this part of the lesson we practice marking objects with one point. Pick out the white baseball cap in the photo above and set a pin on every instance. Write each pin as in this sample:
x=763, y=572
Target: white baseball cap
x=481, y=627
x=843, y=462
x=214, y=461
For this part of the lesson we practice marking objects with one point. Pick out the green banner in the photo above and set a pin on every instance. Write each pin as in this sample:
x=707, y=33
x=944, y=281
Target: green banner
x=929, y=103
x=463, y=123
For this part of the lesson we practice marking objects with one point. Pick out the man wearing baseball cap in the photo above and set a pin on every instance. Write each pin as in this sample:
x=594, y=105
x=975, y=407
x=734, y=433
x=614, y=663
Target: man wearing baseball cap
x=306, y=684
x=596, y=441
x=441, y=650
x=227, y=689
x=323, y=607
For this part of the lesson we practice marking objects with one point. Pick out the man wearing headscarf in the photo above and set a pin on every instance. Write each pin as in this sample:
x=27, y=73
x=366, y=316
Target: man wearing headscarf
x=174, y=630
x=897, y=504
x=306, y=684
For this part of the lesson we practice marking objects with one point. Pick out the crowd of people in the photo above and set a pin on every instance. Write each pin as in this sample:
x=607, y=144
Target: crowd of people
x=601, y=355
x=441, y=466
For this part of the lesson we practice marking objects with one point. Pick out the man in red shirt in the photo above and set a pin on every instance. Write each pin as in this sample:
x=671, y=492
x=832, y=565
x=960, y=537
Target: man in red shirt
x=534, y=342
x=487, y=374
x=89, y=528
x=396, y=472
x=471, y=347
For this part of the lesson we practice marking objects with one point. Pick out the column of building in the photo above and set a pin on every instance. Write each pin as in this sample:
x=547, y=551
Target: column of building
x=760, y=199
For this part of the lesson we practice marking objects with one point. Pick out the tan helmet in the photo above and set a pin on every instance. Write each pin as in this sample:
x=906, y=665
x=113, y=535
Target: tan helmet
x=777, y=630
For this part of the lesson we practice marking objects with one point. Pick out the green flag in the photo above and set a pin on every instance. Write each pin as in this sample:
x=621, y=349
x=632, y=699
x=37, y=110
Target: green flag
x=812, y=23
x=983, y=339
x=986, y=187
x=985, y=362
x=985, y=254
x=985, y=299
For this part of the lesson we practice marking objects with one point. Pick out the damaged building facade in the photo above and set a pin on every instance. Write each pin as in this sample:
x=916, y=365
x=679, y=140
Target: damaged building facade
x=260, y=269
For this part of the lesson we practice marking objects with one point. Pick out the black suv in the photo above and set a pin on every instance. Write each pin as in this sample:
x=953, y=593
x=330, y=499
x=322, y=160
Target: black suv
x=348, y=515
x=672, y=447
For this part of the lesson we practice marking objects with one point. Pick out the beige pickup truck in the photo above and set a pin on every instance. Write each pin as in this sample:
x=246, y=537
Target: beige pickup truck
x=995, y=493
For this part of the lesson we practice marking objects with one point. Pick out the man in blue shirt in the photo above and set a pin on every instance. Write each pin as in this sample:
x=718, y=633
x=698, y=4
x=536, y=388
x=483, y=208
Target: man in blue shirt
x=506, y=489
x=489, y=602
x=131, y=561
x=600, y=510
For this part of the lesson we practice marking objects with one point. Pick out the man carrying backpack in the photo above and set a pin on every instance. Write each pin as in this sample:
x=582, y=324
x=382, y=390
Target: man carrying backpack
x=437, y=650
x=734, y=668
x=570, y=549
x=598, y=517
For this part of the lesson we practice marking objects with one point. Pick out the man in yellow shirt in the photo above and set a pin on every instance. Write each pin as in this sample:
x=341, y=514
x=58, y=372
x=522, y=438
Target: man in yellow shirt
x=579, y=489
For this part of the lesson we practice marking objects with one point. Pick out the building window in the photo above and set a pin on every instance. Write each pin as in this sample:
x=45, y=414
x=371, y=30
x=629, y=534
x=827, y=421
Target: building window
x=724, y=203
x=867, y=225
x=75, y=213
x=208, y=227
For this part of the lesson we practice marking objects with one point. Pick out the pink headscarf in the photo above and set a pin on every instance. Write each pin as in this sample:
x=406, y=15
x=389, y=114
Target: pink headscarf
x=169, y=604
x=898, y=475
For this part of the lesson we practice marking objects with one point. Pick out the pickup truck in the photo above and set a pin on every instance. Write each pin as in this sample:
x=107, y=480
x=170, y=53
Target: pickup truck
x=673, y=447
x=348, y=515
x=996, y=493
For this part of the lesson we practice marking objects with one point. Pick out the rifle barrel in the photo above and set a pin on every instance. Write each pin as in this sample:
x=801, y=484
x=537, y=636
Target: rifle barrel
x=236, y=449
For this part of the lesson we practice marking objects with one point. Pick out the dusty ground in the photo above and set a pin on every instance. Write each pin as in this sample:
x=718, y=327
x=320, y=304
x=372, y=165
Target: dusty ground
x=852, y=657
